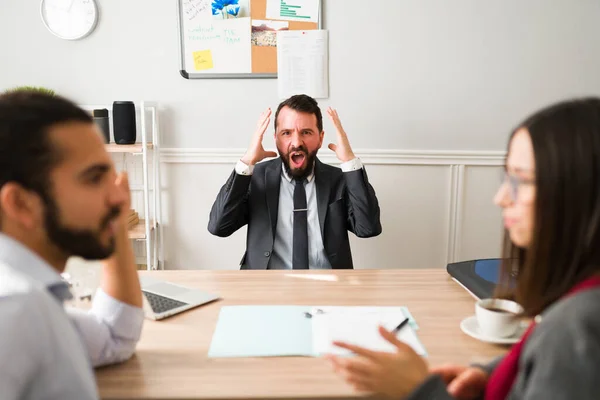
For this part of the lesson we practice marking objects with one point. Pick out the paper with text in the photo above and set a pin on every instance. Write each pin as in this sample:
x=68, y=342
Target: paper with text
x=294, y=10
x=302, y=63
x=382, y=312
x=361, y=329
x=195, y=9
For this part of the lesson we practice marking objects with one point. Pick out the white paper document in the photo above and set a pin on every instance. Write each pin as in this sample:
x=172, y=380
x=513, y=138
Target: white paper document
x=196, y=9
x=294, y=10
x=360, y=327
x=302, y=63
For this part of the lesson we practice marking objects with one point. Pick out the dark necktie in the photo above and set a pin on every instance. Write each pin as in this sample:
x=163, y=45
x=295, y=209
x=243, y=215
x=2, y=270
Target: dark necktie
x=300, y=238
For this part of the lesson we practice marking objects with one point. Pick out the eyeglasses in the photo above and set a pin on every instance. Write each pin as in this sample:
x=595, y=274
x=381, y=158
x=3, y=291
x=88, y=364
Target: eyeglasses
x=515, y=183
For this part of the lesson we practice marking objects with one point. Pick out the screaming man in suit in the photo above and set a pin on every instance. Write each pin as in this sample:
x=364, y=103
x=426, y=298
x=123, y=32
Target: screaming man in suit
x=298, y=210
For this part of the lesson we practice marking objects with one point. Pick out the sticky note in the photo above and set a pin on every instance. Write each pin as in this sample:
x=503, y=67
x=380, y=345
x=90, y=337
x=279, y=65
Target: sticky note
x=202, y=60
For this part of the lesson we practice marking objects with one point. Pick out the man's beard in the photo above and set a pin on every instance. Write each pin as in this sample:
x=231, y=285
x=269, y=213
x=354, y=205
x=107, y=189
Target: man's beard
x=303, y=173
x=83, y=243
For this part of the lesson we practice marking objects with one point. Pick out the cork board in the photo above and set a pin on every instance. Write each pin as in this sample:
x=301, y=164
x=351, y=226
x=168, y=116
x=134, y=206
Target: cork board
x=264, y=58
x=244, y=47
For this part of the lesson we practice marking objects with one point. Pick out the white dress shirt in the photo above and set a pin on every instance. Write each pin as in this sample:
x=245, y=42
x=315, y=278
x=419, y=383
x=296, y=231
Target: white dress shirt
x=281, y=257
x=48, y=351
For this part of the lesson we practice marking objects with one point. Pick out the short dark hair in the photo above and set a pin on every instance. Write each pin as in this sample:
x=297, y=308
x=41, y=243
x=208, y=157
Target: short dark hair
x=302, y=103
x=565, y=246
x=26, y=152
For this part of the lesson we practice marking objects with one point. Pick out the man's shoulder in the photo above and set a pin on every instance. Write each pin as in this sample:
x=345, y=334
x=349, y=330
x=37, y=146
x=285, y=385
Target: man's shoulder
x=330, y=168
x=12, y=282
x=264, y=165
x=21, y=299
x=25, y=312
x=18, y=291
x=332, y=171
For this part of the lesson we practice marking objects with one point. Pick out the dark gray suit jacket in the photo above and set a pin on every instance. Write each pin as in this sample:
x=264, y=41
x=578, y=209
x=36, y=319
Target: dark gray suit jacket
x=345, y=200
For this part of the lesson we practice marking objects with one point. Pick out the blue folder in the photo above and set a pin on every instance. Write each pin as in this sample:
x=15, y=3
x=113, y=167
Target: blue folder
x=265, y=331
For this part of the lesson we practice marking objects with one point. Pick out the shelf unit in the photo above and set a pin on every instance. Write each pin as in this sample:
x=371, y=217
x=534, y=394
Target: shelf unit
x=149, y=229
x=127, y=148
x=138, y=232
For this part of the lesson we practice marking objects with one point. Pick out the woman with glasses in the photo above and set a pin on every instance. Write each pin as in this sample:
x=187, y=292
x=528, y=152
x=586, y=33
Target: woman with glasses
x=550, y=200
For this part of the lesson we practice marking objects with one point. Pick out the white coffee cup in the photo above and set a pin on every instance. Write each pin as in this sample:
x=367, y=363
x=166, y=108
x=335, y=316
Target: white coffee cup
x=498, y=317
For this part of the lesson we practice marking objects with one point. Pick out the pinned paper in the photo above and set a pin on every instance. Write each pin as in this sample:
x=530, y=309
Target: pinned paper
x=194, y=9
x=294, y=10
x=202, y=60
x=302, y=63
x=264, y=32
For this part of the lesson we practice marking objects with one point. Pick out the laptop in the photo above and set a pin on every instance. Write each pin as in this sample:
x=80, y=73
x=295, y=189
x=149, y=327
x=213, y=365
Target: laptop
x=163, y=299
x=478, y=277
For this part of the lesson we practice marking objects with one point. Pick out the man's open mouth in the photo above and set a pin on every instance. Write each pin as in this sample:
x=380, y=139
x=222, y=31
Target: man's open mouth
x=297, y=158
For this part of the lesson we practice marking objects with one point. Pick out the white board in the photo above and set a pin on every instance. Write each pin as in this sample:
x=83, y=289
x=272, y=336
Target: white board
x=214, y=42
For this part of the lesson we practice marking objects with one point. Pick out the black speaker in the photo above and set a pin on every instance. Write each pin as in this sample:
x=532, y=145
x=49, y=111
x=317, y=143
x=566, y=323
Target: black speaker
x=101, y=118
x=124, y=122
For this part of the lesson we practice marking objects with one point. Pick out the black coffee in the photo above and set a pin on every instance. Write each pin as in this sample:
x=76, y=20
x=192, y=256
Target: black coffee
x=499, y=310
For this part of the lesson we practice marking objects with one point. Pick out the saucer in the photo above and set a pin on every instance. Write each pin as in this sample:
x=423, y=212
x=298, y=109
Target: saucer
x=470, y=326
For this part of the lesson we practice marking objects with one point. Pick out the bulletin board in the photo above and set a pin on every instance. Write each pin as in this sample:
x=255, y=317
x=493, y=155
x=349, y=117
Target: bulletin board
x=238, y=40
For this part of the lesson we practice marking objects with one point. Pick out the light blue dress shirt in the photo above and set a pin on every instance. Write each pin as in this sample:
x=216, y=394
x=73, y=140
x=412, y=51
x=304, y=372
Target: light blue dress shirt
x=47, y=351
x=281, y=257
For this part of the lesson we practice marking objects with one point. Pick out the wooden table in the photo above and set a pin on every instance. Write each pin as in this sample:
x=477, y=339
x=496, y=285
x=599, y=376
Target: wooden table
x=171, y=359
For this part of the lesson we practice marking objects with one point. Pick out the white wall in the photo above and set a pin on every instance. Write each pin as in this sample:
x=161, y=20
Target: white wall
x=410, y=74
x=410, y=77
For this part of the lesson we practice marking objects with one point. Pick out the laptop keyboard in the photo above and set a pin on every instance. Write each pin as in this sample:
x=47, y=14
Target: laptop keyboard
x=160, y=304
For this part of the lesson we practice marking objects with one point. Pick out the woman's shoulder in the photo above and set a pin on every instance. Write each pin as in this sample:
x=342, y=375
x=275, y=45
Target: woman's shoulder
x=569, y=320
x=579, y=307
x=561, y=358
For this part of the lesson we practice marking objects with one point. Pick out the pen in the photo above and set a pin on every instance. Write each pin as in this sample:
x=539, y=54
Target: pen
x=400, y=325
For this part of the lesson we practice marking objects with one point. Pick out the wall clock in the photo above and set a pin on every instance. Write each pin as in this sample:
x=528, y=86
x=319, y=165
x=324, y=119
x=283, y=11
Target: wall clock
x=69, y=19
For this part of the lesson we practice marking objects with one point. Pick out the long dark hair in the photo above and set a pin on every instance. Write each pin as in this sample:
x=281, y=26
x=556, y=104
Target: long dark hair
x=565, y=246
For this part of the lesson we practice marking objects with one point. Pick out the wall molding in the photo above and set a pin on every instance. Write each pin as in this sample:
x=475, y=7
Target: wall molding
x=368, y=156
x=455, y=211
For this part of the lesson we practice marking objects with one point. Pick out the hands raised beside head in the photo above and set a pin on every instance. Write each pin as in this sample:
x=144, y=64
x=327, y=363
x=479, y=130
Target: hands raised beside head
x=342, y=149
x=256, y=152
